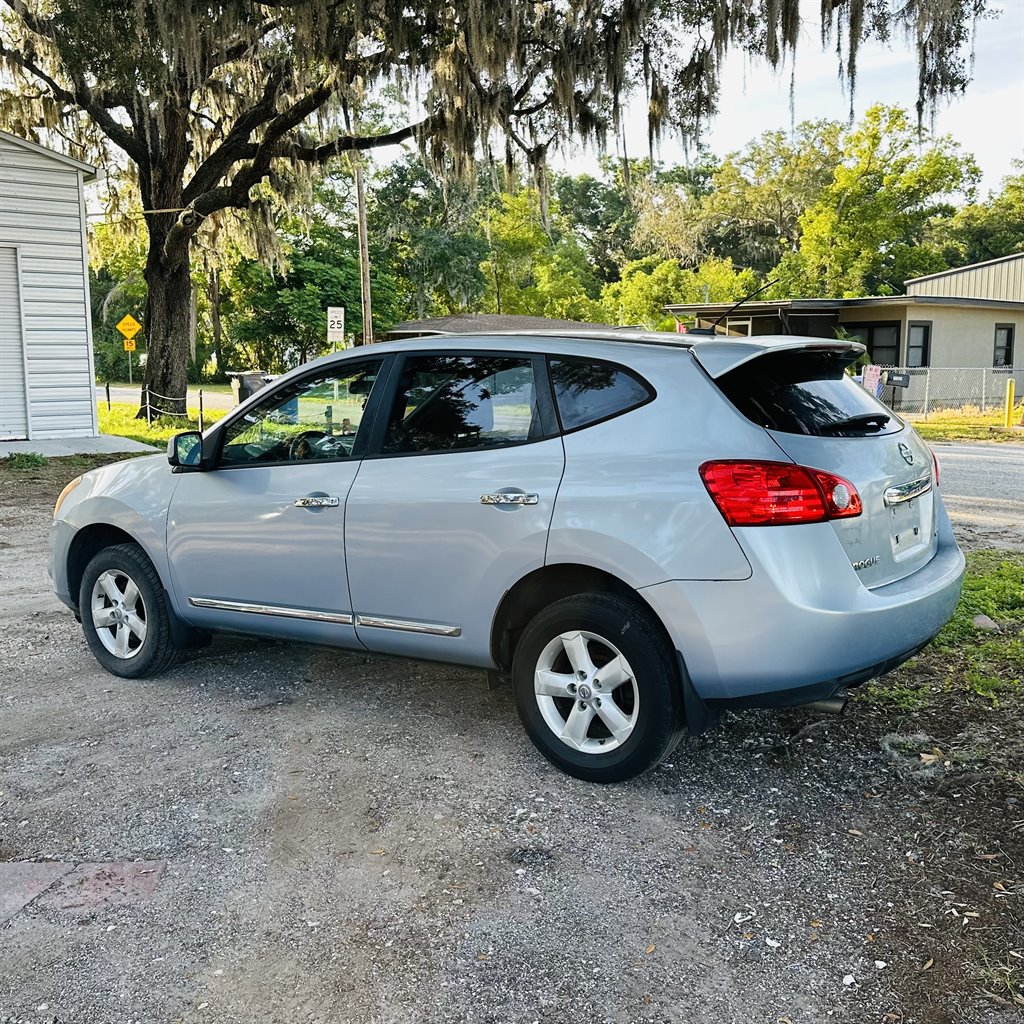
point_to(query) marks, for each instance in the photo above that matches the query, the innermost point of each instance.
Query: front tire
(124, 613)
(597, 687)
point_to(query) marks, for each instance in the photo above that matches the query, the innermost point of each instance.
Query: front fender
(133, 496)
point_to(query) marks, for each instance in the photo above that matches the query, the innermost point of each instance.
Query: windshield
(802, 392)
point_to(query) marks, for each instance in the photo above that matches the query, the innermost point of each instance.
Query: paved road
(983, 486)
(124, 393)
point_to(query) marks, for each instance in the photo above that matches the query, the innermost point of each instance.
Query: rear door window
(454, 402)
(802, 392)
(588, 392)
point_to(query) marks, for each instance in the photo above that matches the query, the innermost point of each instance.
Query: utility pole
(364, 252)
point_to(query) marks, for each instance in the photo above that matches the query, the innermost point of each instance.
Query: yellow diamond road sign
(129, 326)
(129, 344)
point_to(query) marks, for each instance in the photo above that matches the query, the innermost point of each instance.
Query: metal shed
(46, 365)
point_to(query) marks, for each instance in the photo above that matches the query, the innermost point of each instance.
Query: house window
(1003, 354)
(919, 342)
(882, 340)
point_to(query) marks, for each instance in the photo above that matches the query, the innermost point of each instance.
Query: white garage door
(13, 411)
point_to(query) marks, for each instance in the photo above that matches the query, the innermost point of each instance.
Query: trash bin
(246, 382)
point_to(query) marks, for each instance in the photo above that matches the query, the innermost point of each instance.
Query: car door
(256, 543)
(453, 503)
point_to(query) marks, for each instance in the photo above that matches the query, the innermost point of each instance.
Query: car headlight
(68, 488)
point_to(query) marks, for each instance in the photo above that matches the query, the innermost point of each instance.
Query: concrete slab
(23, 881)
(92, 886)
(105, 444)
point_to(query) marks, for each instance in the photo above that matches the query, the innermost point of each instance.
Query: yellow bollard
(1010, 384)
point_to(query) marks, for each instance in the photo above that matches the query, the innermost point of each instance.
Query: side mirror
(186, 449)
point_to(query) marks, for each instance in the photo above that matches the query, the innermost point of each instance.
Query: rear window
(588, 392)
(806, 393)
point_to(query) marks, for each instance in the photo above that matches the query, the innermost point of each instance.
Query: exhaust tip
(830, 705)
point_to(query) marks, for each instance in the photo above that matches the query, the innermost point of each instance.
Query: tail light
(778, 493)
(935, 463)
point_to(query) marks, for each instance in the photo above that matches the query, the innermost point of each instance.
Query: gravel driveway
(318, 836)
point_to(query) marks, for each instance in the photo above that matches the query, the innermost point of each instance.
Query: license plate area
(910, 526)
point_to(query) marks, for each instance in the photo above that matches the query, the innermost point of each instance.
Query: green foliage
(429, 239)
(986, 231)
(533, 271)
(26, 460)
(648, 285)
(750, 205)
(868, 230)
(603, 219)
(279, 317)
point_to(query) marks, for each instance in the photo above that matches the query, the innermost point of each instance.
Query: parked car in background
(639, 532)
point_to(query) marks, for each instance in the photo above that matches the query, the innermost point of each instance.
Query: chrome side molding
(341, 618)
(906, 492)
(408, 626)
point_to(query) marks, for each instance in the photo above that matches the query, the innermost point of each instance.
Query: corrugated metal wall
(41, 213)
(13, 411)
(1002, 279)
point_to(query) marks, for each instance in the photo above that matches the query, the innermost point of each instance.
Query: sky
(988, 120)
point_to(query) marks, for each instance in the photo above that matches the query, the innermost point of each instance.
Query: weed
(989, 686)
(897, 696)
(26, 460)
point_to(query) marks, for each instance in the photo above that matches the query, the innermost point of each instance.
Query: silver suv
(639, 532)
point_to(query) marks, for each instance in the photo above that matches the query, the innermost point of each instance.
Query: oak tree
(227, 105)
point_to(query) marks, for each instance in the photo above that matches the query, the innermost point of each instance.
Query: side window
(1003, 352)
(587, 392)
(315, 418)
(450, 402)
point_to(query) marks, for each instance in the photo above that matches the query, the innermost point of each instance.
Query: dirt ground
(280, 834)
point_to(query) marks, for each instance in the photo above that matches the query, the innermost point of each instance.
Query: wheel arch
(544, 586)
(87, 542)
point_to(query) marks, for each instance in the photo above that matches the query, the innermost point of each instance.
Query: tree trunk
(215, 324)
(167, 332)
(168, 280)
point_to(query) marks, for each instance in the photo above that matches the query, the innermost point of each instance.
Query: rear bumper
(803, 626)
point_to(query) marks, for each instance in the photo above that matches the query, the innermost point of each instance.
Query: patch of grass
(991, 687)
(967, 424)
(993, 586)
(121, 421)
(894, 696)
(26, 460)
(986, 664)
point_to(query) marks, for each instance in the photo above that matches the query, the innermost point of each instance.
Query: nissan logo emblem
(908, 455)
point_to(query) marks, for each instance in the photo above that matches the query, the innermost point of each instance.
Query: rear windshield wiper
(868, 419)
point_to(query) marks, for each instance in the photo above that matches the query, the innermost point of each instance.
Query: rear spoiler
(718, 357)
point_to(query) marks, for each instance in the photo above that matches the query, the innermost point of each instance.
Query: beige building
(971, 317)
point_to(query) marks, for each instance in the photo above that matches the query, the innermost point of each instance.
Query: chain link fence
(938, 388)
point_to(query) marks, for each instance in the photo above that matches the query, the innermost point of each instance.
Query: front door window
(313, 419)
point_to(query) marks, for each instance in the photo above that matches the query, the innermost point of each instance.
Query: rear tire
(599, 729)
(124, 613)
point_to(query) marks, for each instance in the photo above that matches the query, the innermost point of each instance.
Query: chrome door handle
(509, 498)
(317, 501)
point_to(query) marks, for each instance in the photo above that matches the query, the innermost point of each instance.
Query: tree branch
(357, 143)
(236, 145)
(82, 97)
